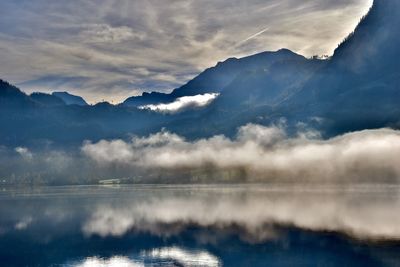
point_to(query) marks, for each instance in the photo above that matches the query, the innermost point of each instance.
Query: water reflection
(362, 212)
(239, 225)
(112, 262)
(183, 257)
(167, 256)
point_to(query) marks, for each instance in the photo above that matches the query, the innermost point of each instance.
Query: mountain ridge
(335, 96)
(213, 79)
(70, 99)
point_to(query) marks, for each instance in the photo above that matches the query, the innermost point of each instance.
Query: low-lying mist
(256, 154)
(261, 153)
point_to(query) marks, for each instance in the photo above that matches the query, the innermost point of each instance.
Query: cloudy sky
(111, 49)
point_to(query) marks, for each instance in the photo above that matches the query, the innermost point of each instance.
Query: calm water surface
(209, 225)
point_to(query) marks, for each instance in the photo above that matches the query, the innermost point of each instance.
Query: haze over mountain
(70, 99)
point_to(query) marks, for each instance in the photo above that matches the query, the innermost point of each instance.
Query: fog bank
(256, 154)
(262, 153)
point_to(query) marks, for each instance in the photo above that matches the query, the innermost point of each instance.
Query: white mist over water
(256, 154)
(264, 152)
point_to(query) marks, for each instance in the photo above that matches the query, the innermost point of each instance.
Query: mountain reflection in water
(208, 225)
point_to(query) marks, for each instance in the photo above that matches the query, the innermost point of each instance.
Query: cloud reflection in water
(112, 262)
(167, 256)
(237, 225)
(364, 212)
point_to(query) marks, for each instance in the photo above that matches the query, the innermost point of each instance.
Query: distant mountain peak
(70, 99)
(47, 99)
(215, 79)
(285, 51)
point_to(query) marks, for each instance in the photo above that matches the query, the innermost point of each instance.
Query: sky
(112, 49)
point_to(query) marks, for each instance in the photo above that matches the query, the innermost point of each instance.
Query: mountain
(263, 79)
(360, 87)
(212, 80)
(12, 97)
(362, 73)
(46, 99)
(148, 98)
(70, 99)
(357, 88)
(274, 77)
(217, 78)
(39, 120)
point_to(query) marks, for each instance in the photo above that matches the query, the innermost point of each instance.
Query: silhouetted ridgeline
(41, 119)
(70, 99)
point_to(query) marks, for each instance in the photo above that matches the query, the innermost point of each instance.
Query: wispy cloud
(122, 48)
(104, 33)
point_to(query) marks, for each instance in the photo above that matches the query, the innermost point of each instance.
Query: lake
(201, 225)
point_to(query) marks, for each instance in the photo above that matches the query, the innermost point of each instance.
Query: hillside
(70, 99)
(225, 74)
(358, 88)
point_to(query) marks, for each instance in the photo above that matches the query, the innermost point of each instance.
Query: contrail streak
(252, 36)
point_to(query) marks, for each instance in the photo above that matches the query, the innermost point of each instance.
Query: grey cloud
(104, 33)
(106, 41)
